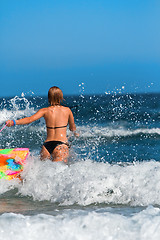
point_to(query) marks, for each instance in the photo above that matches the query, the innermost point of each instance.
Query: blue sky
(109, 46)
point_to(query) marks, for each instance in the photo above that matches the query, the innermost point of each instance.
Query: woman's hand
(9, 123)
(76, 134)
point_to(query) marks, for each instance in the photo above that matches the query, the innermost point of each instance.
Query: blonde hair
(55, 96)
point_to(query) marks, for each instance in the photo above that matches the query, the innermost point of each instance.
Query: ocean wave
(80, 224)
(88, 182)
(89, 132)
(110, 132)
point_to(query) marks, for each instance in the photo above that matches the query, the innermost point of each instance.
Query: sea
(110, 188)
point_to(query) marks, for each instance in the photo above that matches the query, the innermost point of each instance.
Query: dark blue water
(113, 128)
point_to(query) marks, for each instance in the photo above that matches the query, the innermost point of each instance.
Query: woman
(57, 118)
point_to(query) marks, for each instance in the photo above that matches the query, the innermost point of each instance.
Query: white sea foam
(88, 182)
(115, 132)
(6, 185)
(15, 112)
(82, 225)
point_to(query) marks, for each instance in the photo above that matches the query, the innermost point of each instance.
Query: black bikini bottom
(51, 145)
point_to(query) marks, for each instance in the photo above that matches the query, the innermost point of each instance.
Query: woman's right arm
(40, 113)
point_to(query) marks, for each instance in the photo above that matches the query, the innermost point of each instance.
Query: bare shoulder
(67, 109)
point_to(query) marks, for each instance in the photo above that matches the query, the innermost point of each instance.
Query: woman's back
(57, 118)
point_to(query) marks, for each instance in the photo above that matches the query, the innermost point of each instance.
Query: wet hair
(55, 96)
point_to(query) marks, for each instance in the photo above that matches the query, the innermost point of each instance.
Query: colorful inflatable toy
(12, 162)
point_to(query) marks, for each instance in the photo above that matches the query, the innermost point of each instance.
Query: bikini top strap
(56, 127)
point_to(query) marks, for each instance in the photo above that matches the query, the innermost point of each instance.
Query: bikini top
(57, 127)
